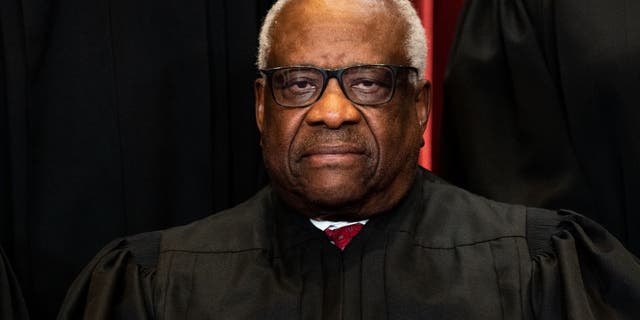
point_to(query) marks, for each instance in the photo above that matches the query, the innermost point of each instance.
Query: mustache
(323, 140)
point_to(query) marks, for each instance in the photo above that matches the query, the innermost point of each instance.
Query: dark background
(119, 117)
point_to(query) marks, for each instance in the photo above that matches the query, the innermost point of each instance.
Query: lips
(328, 150)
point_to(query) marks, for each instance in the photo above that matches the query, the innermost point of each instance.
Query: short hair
(415, 41)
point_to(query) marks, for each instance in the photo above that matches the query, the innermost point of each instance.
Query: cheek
(398, 136)
(279, 130)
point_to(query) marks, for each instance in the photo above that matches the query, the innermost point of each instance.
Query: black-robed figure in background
(541, 107)
(341, 111)
(11, 302)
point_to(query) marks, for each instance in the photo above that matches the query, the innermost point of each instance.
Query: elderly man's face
(334, 159)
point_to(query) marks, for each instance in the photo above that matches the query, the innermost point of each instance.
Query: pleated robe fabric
(442, 253)
(12, 304)
(541, 107)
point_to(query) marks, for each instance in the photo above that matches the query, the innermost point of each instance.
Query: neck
(374, 204)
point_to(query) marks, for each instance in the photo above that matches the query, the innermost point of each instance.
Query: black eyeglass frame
(337, 74)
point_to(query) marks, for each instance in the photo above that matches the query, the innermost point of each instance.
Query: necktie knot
(343, 235)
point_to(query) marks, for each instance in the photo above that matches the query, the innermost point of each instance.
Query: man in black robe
(341, 109)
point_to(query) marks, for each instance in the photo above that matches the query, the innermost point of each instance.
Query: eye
(367, 85)
(364, 84)
(300, 84)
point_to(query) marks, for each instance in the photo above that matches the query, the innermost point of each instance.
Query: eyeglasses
(369, 85)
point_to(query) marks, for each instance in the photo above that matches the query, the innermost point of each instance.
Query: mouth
(342, 149)
(321, 155)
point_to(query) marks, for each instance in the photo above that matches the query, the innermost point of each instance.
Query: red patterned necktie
(341, 236)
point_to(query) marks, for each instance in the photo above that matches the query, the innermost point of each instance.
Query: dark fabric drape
(541, 107)
(12, 305)
(119, 117)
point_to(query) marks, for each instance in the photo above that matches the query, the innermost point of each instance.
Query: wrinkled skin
(335, 160)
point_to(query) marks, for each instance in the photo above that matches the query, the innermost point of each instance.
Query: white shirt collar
(331, 225)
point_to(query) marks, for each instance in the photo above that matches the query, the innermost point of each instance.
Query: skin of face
(335, 160)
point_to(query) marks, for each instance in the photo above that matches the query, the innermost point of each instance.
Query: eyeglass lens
(366, 85)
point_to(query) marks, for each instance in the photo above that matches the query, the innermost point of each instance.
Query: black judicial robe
(541, 107)
(12, 304)
(442, 253)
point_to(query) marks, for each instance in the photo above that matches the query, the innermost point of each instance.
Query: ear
(259, 101)
(423, 103)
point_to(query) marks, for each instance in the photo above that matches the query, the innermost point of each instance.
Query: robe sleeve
(117, 283)
(580, 271)
(12, 304)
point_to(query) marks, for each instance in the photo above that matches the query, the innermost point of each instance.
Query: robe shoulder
(118, 283)
(579, 269)
(12, 305)
(448, 216)
(243, 227)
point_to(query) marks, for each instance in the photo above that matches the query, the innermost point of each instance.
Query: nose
(333, 109)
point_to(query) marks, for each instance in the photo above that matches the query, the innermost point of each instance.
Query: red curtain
(439, 19)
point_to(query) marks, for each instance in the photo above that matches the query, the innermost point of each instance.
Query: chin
(334, 199)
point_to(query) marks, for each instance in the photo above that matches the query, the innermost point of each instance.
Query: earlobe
(259, 102)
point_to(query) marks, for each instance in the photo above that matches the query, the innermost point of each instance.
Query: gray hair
(415, 41)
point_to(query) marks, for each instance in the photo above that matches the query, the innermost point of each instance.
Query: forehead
(332, 34)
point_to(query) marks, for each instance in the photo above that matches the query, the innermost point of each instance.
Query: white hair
(415, 41)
